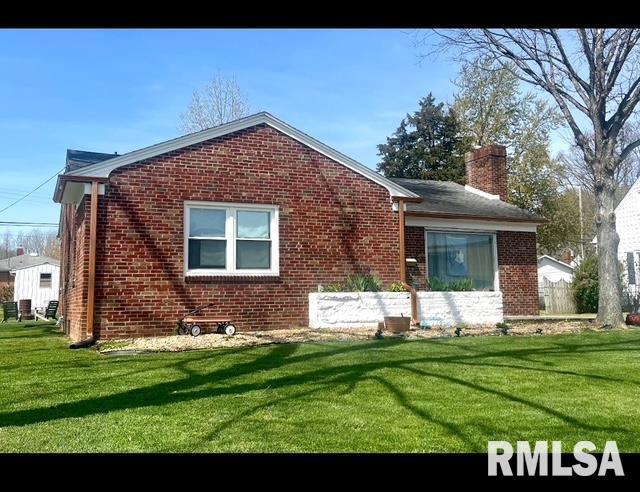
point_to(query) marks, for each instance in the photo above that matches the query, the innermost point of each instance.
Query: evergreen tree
(427, 145)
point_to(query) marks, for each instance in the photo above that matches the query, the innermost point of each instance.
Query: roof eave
(104, 168)
(443, 215)
(64, 179)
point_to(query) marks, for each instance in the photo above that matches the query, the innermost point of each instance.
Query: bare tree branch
(220, 101)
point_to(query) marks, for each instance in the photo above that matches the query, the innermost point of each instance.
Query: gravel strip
(179, 343)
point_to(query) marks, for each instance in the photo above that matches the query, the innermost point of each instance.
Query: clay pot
(633, 319)
(397, 324)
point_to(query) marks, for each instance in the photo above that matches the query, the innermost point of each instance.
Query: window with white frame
(45, 280)
(231, 239)
(461, 259)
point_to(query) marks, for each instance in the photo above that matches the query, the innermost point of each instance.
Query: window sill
(233, 279)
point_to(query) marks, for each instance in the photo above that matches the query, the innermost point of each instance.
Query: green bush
(585, 285)
(366, 281)
(503, 328)
(397, 287)
(334, 287)
(465, 284)
(363, 282)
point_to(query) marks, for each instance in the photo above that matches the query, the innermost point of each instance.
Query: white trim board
(469, 224)
(561, 263)
(104, 168)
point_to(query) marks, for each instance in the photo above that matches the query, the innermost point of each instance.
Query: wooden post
(403, 260)
(93, 225)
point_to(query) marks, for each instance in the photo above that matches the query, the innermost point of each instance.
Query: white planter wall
(366, 309)
(452, 308)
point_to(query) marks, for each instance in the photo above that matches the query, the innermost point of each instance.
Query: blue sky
(119, 90)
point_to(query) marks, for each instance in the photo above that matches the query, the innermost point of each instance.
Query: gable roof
(25, 261)
(449, 198)
(103, 168)
(560, 263)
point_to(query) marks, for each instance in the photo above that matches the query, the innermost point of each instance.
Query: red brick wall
(518, 270)
(74, 269)
(414, 248)
(486, 169)
(333, 222)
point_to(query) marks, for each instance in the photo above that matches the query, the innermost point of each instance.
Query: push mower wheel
(182, 330)
(230, 330)
(195, 330)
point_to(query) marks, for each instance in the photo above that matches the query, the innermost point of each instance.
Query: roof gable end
(104, 168)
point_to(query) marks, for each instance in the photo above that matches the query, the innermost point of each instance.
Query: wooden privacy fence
(558, 298)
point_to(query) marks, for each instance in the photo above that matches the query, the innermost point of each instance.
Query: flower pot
(397, 324)
(633, 319)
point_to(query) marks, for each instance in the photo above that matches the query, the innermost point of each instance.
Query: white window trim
(230, 234)
(494, 242)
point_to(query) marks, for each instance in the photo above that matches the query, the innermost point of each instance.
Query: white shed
(38, 281)
(553, 270)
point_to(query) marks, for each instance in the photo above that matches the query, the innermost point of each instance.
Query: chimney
(486, 169)
(19, 251)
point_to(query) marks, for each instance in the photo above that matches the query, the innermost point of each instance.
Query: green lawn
(384, 395)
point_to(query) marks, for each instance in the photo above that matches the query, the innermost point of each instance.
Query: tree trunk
(609, 304)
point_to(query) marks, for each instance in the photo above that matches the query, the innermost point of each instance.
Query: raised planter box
(367, 309)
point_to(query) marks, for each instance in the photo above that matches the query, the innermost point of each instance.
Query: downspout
(403, 264)
(91, 281)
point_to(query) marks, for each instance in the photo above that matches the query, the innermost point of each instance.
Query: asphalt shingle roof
(81, 158)
(446, 197)
(22, 261)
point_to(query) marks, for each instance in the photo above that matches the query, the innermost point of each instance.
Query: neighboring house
(33, 277)
(628, 228)
(553, 270)
(254, 215)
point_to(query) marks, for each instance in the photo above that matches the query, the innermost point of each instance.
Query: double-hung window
(231, 239)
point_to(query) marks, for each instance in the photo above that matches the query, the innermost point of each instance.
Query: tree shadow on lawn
(218, 382)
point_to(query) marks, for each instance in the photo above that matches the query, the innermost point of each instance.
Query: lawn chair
(49, 312)
(10, 310)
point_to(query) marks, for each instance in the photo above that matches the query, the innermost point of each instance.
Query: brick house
(254, 215)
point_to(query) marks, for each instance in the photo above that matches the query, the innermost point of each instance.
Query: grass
(448, 395)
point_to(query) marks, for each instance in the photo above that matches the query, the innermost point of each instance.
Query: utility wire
(43, 224)
(32, 191)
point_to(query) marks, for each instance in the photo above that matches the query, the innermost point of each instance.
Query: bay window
(231, 239)
(463, 258)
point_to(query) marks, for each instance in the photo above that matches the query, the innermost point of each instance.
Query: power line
(35, 224)
(32, 191)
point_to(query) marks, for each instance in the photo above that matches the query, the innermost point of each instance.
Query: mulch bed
(179, 343)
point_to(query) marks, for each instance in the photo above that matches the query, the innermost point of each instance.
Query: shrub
(363, 282)
(397, 287)
(6, 293)
(465, 284)
(585, 285)
(334, 287)
(503, 328)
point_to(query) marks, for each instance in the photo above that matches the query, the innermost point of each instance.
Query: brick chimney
(486, 169)
(19, 251)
